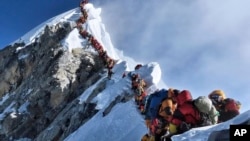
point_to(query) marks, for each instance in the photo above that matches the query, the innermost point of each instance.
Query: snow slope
(124, 122)
(202, 134)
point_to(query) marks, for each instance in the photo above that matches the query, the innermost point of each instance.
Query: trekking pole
(167, 134)
(149, 133)
(163, 138)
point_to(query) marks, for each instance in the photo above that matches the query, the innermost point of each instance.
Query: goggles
(167, 110)
(216, 98)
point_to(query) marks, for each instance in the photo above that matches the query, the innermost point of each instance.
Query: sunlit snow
(124, 122)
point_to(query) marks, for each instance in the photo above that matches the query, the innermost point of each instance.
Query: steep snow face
(124, 121)
(94, 26)
(113, 124)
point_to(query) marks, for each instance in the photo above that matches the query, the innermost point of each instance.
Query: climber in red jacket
(227, 107)
(84, 33)
(186, 116)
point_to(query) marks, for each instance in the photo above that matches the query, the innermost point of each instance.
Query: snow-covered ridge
(30, 36)
(114, 88)
(117, 86)
(124, 122)
(93, 25)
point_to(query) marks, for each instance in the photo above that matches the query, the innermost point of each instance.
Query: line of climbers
(138, 85)
(108, 61)
(168, 112)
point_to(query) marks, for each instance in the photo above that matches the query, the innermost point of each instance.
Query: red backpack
(183, 96)
(231, 105)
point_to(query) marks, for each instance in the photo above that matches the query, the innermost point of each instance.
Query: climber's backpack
(155, 101)
(203, 104)
(231, 105)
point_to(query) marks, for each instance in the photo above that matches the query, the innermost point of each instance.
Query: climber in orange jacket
(167, 109)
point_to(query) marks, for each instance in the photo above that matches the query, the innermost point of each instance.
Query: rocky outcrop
(40, 85)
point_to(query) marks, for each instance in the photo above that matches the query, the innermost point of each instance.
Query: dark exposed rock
(42, 82)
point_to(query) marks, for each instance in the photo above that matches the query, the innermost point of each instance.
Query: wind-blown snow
(124, 122)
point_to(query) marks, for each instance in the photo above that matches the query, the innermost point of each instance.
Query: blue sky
(19, 17)
(200, 45)
(114, 125)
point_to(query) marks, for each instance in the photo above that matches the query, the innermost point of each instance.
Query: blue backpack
(154, 102)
